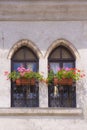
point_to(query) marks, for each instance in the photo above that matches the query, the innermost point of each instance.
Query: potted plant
(65, 76)
(50, 77)
(24, 76)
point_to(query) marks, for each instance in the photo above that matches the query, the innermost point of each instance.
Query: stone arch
(26, 43)
(65, 43)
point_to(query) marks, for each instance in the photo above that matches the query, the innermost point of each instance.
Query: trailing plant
(23, 73)
(68, 73)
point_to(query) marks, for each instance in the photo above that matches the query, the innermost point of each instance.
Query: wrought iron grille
(62, 96)
(25, 95)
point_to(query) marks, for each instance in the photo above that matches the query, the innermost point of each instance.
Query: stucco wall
(46, 123)
(43, 34)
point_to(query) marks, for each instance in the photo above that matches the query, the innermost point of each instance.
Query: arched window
(24, 96)
(61, 57)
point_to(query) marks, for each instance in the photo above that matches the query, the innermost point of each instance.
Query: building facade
(42, 26)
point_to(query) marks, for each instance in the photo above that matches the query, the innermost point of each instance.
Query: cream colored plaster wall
(45, 123)
(43, 34)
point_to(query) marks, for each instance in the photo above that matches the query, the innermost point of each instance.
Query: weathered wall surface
(28, 123)
(43, 24)
(43, 34)
(38, 10)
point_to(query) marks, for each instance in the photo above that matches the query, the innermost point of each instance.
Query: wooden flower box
(65, 81)
(24, 81)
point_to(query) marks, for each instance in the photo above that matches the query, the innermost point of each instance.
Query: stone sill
(75, 112)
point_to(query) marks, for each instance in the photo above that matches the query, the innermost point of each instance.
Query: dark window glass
(65, 96)
(25, 95)
(55, 54)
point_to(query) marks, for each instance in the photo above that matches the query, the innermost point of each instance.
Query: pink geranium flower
(28, 70)
(6, 73)
(58, 69)
(67, 69)
(23, 73)
(21, 69)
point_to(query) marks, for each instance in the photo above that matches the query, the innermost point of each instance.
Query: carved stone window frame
(59, 112)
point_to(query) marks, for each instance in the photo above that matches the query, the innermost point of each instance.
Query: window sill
(75, 112)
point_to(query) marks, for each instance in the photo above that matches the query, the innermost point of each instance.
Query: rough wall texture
(43, 35)
(46, 123)
(38, 10)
